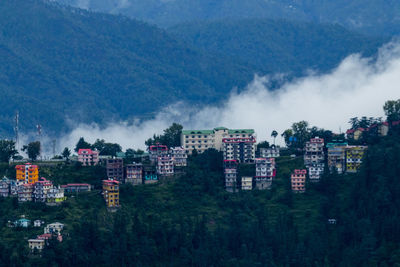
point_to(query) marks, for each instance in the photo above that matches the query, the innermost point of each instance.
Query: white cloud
(357, 87)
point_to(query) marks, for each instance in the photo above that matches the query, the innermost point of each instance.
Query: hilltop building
(111, 193)
(88, 157)
(241, 149)
(179, 155)
(201, 140)
(134, 174)
(337, 156)
(165, 166)
(230, 171)
(115, 169)
(271, 152)
(265, 172)
(354, 157)
(27, 174)
(247, 183)
(298, 181)
(157, 151)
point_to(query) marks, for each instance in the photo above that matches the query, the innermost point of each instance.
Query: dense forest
(191, 220)
(368, 16)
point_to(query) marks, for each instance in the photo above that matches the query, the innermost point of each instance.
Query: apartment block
(314, 151)
(55, 196)
(265, 172)
(354, 157)
(337, 156)
(111, 193)
(27, 173)
(242, 149)
(271, 152)
(157, 151)
(40, 190)
(25, 192)
(315, 171)
(76, 188)
(298, 181)
(165, 166)
(88, 157)
(149, 174)
(115, 169)
(247, 183)
(54, 228)
(4, 187)
(179, 155)
(230, 172)
(36, 244)
(201, 140)
(134, 173)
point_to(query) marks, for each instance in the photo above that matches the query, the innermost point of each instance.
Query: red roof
(44, 236)
(110, 182)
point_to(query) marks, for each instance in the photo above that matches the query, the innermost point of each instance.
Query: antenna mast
(16, 129)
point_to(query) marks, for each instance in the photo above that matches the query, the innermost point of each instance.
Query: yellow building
(27, 174)
(111, 193)
(354, 157)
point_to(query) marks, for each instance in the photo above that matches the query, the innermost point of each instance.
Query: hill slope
(277, 46)
(369, 16)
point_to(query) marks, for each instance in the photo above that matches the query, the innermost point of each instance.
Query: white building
(314, 151)
(247, 183)
(179, 155)
(230, 172)
(315, 171)
(165, 166)
(56, 228)
(271, 152)
(242, 149)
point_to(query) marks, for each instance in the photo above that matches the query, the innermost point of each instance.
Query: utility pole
(39, 133)
(54, 147)
(16, 130)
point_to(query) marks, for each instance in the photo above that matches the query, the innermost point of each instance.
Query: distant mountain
(278, 46)
(368, 16)
(59, 63)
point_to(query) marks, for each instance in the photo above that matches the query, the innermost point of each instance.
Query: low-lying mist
(357, 87)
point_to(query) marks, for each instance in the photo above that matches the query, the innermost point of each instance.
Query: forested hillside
(368, 16)
(278, 46)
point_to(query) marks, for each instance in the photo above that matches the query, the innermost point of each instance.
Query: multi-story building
(40, 189)
(315, 171)
(201, 140)
(337, 156)
(230, 171)
(157, 151)
(314, 153)
(149, 174)
(134, 174)
(54, 228)
(27, 173)
(5, 187)
(241, 149)
(179, 155)
(88, 157)
(298, 181)
(55, 195)
(165, 166)
(354, 157)
(115, 169)
(14, 187)
(25, 192)
(111, 193)
(36, 244)
(76, 188)
(271, 152)
(265, 172)
(247, 183)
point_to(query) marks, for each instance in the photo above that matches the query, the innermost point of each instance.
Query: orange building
(27, 174)
(111, 193)
(298, 181)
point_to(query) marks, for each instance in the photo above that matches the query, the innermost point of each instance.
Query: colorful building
(55, 195)
(314, 151)
(150, 174)
(298, 181)
(247, 183)
(111, 193)
(157, 151)
(242, 149)
(165, 166)
(27, 174)
(230, 172)
(265, 172)
(354, 157)
(76, 188)
(201, 140)
(134, 174)
(88, 157)
(179, 155)
(337, 156)
(115, 169)
(40, 189)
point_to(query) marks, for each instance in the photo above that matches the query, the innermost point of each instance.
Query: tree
(66, 153)
(33, 150)
(7, 150)
(106, 148)
(274, 134)
(170, 138)
(287, 134)
(82, 144)
(392, 110)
